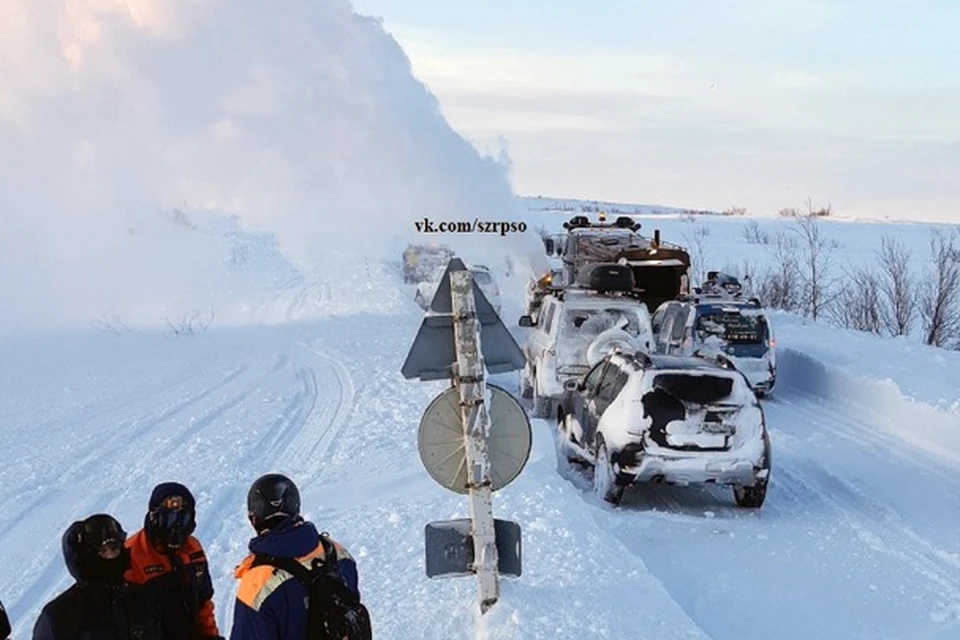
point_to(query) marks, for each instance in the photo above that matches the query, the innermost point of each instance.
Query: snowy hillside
(204, 207)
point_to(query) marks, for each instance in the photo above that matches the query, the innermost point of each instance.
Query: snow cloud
(301, 119)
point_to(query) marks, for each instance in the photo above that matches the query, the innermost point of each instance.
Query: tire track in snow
(306, 453)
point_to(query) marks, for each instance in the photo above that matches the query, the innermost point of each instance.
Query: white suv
(574, 330)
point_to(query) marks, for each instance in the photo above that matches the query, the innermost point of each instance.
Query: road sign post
(473, 438)
(471, 384)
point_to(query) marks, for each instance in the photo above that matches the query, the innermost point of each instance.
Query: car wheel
(564, 433)
(526, 389)
(751, 497)
(542, 406)
(605, 485)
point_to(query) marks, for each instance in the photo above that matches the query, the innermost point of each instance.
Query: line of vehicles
(646, 378)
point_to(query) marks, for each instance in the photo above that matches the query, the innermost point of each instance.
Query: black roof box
(608, 277)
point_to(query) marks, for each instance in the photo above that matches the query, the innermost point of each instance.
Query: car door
(541, 336)
(599, 398)
(584, 403)
(614, 379)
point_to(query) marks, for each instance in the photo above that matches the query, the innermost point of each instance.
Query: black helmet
(94, 550)
(171, 516)
(272, 496)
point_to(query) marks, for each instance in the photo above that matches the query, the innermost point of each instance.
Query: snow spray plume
(301, 119)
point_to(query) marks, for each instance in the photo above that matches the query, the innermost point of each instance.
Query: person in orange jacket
(169, 561)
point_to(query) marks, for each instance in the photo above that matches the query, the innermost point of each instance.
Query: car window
(733, 327)
(551, 313)
(679, 324)
(612, 383)
(593, 378)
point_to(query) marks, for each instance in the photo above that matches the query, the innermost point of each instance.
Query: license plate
(717, 428)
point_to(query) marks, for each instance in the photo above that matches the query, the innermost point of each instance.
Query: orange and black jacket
(180, 581)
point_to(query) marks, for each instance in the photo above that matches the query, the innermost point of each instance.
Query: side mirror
(526, 321)
(571, 385)
(550, 246)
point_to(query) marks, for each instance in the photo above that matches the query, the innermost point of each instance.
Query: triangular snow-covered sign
(433, 352)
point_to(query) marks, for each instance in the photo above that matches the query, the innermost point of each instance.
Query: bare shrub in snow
(858, 302)
(735, 211)
(817, 212)
(753, 234)
(790, 213)
(815, 264)
(779, 286)
(697, 244)
(940, 292)
(111, 323)
(898, 295)
(189, 324)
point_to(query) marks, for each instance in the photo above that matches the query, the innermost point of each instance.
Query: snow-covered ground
(258, 172)
(858, 538)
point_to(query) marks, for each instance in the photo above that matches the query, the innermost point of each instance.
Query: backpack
(334, 612)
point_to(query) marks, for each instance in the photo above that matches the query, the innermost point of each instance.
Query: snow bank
(305, 122)
(908, 390)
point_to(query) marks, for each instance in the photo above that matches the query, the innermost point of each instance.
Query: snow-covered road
(857, 539)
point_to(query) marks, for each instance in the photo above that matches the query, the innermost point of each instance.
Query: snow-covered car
(575, 329)
(481, 275)
(421, 260)
(682, 420)
(710, 324)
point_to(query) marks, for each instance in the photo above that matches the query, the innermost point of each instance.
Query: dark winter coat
(4, 623)
(89, 611)
(271, 604)
(181, 584)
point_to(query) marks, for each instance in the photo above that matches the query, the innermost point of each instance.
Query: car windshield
(733, 327)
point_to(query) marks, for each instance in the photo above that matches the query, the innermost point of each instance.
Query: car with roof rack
(576, 326)
(640, 418)
(660, 269)
(717, 319)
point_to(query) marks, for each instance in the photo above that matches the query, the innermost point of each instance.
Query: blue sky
(753, 103)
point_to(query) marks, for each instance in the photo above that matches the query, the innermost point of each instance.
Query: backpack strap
(290, 565)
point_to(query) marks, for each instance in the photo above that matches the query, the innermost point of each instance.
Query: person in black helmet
(271, 604)
(100, 605)
(4, 623)
(170, 561)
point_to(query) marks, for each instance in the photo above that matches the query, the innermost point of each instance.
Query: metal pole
(476, 422)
